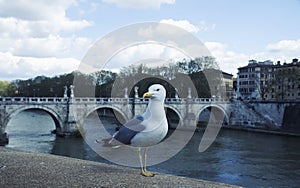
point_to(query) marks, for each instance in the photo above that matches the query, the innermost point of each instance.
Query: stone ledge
(24, 169)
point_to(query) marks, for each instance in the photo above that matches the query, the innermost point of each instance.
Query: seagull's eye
(157, 89)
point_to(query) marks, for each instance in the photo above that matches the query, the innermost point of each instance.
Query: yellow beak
(147, 95)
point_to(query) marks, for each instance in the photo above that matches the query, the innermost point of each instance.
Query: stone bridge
(69, 113)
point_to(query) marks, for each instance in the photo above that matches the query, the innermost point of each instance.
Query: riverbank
(259, 130)
(24, 169)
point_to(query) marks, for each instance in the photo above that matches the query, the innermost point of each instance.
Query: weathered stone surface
(22, 169)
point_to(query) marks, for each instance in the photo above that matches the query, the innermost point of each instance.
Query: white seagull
(147, 129)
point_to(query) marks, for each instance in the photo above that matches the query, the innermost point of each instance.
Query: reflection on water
(31, 131)
(241, 158)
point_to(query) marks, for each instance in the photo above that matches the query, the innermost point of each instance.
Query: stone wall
(291, 118)
(271, 111)
(241, 114)
(281, 114)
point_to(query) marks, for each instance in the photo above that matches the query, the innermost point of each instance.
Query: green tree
(7, 89)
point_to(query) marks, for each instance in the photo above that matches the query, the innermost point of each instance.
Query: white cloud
(38, 38)
(203, 26)
(34, 10)
(227, 60)
(30, 57)
(155, 52)
(184, 24)
(162, 31)
(51, 46)
(285, 46)
(141, 4)
(28, 21)
(284, 51)
(17, 67)
(17, 28)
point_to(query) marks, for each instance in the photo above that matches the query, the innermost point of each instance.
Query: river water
(236, 157)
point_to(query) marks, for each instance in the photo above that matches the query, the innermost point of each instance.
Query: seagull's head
(156, 92)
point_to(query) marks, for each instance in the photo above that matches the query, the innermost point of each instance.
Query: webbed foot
(147, 173)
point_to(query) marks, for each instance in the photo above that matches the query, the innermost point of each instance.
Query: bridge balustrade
(100, 100)
(209, 100)
(105, 100)
(32, 99)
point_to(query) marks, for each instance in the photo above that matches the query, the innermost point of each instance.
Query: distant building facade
(268, 81)
(227, 84)
(287, 83)
(221, 83)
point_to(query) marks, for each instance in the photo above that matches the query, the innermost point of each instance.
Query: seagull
(147, 129)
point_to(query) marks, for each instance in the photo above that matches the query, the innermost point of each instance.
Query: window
(243, 90)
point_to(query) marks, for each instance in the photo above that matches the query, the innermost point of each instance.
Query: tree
(180, 75)
(103, 77)
(7, 89)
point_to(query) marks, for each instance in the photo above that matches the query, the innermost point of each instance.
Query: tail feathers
(109, 142)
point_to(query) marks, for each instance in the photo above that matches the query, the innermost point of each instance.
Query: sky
(52, 37)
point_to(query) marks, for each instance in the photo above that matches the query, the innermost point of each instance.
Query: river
(236, 157)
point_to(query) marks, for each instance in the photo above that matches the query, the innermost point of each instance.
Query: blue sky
(51, 37)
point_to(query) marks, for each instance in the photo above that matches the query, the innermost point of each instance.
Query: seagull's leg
(144, 170)
(141, 161)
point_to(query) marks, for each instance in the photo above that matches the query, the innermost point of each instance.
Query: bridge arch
(122, 118)
(218, 107)
(175, 110)
(55, 117)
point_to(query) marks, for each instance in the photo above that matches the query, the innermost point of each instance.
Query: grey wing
(129, 130)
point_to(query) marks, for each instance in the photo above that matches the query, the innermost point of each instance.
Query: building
(268, 81)
(221, 83)
(286, 85)
(227, 84)
(252, 79)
